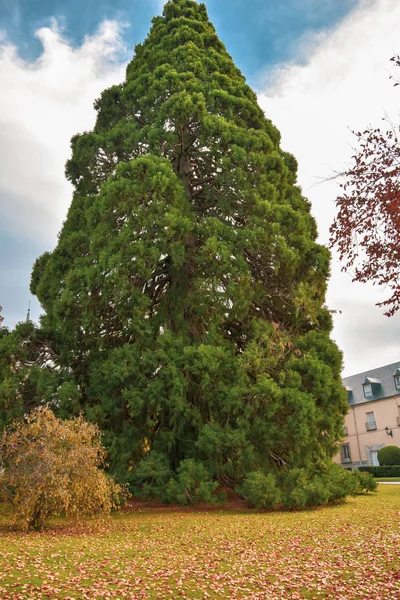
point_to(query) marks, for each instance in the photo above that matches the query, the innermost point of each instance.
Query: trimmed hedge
(389, 456)
(393, 471)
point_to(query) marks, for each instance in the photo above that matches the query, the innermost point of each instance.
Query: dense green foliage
(192, 482)
(365, 482)
(297, 489)
(392, 471)
(29, 375)
(185, 297)
(389, 456)
(260, 490)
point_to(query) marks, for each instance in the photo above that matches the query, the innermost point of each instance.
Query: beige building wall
(366, 433)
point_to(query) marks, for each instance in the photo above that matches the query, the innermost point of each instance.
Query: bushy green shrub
(365, 482)
(260, 490)
(299, 489)
(152, 475)
(295, 486)
(389, 456)
(191, 484)
(339, 482)
(318, 491)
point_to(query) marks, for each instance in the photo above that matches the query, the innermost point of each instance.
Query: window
(372, 387)
(346, 453)
(368, 393)
(349, 395)
(371, 423)
(397, 382)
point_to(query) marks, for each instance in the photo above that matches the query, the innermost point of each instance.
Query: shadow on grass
(57, 526)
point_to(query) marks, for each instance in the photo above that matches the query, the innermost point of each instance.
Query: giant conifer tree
(186, 293)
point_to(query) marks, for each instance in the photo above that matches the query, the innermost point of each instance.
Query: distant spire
(28, 314)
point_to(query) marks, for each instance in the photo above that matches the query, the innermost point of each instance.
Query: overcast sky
(320, 68)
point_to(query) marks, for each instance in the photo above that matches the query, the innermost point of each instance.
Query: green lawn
(387, 479)
(346, 552)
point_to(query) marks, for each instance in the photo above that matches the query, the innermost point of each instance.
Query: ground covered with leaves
(347, 552)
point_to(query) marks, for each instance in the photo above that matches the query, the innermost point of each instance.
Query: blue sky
(319, 67)
(258, 33)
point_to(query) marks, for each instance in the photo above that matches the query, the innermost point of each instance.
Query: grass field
(350, 551)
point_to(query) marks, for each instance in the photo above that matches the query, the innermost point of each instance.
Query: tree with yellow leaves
(52, 466)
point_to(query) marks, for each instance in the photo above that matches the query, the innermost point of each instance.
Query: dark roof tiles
(382, 377)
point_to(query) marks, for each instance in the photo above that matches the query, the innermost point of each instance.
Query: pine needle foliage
(187, 290)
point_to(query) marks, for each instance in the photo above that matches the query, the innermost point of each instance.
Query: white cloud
(42, 105)
(343, 84)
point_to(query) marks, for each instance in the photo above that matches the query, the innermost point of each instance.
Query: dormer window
(368, 393)
(396, 377)
(371, 387)
(349, 394)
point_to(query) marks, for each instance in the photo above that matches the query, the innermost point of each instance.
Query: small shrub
(339, 482)
(52, 467)
(192, 484)
(152, 475)
(300, 489)
(260, 490)
(389, 456)
(365, 482)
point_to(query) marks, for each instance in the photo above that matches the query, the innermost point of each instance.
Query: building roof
(382, 380)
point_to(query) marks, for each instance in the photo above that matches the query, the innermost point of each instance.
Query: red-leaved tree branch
(366, 231)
